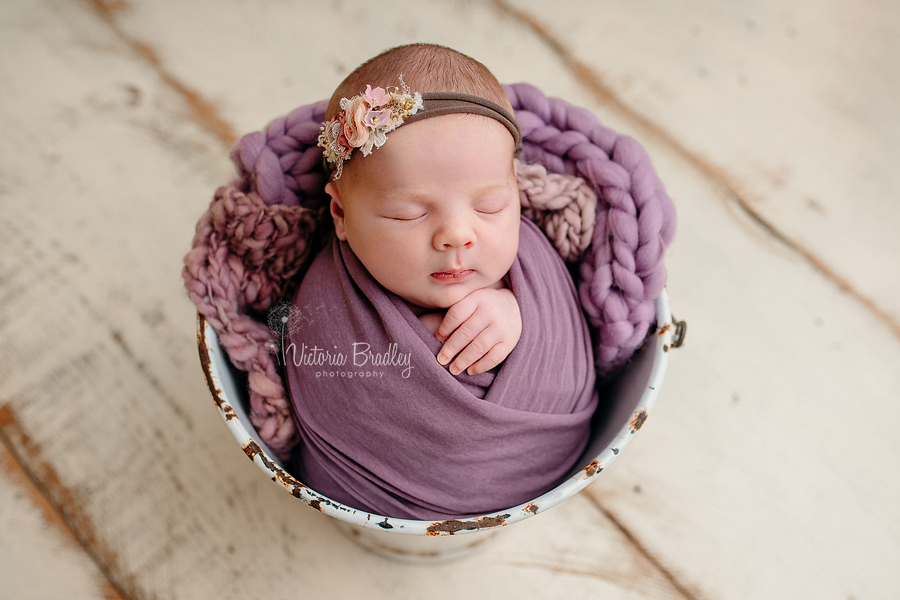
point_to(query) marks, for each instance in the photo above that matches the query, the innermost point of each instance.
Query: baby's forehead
(462, 152)
(478, 131)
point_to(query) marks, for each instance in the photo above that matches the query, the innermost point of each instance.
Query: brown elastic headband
(436, 104)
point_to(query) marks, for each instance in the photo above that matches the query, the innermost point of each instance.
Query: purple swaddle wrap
(406, 439)
(259, 231)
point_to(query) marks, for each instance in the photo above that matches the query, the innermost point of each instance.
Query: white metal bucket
(627, 402)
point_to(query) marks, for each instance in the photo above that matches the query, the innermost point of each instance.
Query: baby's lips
(447, 271)
(452, 275)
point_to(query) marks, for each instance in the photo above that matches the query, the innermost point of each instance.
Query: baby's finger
(475, 351)
(455, 316)
(461, 338)
(494, 357)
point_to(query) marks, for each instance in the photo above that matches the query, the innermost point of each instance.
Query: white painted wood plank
(768, 468)
(288, 54)
(100, 387)
(794, 105)
(763, 324)
(774, 480)
(41, 558)
(714, 474)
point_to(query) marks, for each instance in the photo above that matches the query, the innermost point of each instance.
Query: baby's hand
(483, 328)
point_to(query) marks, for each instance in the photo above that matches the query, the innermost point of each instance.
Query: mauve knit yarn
(258, 231)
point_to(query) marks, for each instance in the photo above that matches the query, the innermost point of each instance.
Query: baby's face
(434, 213)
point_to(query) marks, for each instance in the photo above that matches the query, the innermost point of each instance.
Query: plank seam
(603, 94)
(203, 112)
(9, 423)
(643, 550)
(613, 578)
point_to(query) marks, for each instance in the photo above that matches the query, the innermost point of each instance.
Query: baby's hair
(425, 68)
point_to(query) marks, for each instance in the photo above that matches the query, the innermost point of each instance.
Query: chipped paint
(592, 468)
(638, 420)
(532, 508)
(279, 475)
(252, 449)
(451, 526)
(229, 412)
(203, 348)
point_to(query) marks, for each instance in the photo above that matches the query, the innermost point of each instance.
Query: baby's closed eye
(492, 206)
(410, 214)
(407, 218)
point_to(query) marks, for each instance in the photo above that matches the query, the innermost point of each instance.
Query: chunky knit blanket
(262, 230)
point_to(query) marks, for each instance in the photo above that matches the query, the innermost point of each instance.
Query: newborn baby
(442, 367)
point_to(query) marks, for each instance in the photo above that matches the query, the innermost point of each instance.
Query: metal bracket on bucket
(680, 330)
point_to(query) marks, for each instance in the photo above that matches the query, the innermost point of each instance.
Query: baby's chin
(444, 301)
(420, 305)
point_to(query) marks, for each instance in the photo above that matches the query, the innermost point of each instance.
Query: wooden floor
(769, 467)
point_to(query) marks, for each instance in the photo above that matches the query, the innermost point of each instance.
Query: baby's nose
(455, 234)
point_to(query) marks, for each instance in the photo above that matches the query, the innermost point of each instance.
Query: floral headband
(365, 120)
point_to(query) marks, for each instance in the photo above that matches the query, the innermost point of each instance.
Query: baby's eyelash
(410, 219)
(492, 212)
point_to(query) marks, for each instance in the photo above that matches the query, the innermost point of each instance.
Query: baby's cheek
(512, 245)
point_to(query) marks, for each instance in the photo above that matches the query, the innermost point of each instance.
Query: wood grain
(102, 394)
(767, 468)
(786, 108)
(35, 541)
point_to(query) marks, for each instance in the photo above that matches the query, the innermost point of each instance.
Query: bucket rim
(212, 355)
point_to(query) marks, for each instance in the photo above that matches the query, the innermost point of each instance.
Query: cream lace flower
(364, 122)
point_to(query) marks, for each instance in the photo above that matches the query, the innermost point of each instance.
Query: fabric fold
(386, 429)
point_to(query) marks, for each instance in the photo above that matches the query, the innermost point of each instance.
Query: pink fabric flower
(361, 125)
(355, 129)
(378, 118)
(334, 134)
(377, 97)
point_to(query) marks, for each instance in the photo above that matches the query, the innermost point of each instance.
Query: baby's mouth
(452, 276)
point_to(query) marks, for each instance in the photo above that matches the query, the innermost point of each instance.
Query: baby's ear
(337, 210)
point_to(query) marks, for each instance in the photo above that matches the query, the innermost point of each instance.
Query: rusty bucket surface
(626, 402)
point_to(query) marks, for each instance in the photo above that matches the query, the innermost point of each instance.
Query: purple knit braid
(283, 164)
(256, 237)
(622, 272)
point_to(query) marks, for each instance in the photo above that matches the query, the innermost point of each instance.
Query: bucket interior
(624, 405)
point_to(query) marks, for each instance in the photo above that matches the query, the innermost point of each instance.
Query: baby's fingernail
(454, 370)
(440, 338)
(443, 358)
